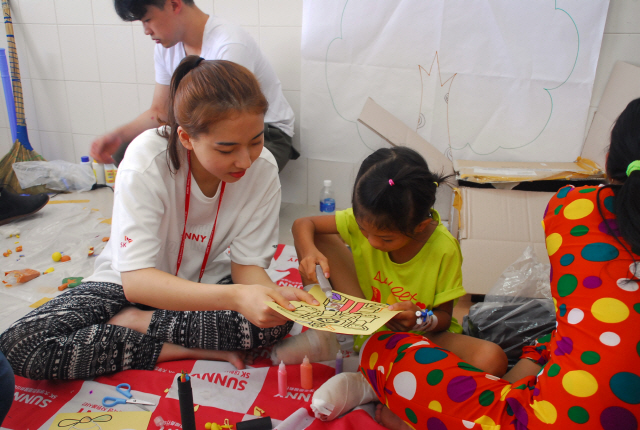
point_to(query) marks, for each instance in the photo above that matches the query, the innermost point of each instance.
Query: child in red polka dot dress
(585, 374)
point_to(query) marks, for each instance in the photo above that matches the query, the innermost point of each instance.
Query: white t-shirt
(224, 41)
(148, 217)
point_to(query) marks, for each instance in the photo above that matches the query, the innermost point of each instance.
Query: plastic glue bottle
(110, 172)
(282, 380)
(306, 374)
(339, 362)
(98, 170)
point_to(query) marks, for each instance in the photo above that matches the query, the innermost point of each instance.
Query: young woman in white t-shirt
(185, 193)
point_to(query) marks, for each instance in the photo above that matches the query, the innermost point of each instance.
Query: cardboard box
(496, 225)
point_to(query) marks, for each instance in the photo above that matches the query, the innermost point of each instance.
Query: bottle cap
(339, 355)
(282, 365)
(327, 182)
(305, 360)
(84, 159)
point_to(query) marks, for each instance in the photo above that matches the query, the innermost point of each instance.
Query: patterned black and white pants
(69, 338)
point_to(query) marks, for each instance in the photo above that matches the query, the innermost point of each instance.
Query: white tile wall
(74, 12)
(116, 60)
(75, 39)
(85, 71)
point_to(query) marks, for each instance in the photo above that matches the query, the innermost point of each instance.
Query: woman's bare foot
(133, 318)
(171, 352)
(385, 417)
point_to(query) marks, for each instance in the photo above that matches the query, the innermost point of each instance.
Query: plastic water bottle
(327, 199)
(85, 162)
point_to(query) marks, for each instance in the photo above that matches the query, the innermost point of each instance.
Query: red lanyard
(186, 216)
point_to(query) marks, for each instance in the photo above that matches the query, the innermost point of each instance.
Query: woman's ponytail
(189, 63)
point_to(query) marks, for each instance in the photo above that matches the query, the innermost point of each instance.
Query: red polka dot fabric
(591, 373)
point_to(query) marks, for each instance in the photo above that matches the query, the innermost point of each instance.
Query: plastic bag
(517, 310)
(56, 175)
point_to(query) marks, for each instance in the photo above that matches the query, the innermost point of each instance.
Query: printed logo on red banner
(35, 402)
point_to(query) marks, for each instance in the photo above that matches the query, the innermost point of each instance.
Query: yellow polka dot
(578, 209)
(580, 383)
(542, 222)
(373, 360)
(485, 421)
(389, 370)
(545, 411)
(554, 240)
(555, 303)
(504, 392)
(435, 406)
(609, 310)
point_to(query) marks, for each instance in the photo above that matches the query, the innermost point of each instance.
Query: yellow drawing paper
(102, 421)
(341, 313)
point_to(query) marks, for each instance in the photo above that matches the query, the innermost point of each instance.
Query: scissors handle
(109, 402)
(124, 389)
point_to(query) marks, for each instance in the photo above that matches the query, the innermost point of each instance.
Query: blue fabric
(7, 386)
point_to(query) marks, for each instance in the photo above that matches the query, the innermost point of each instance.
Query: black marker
(185, 396)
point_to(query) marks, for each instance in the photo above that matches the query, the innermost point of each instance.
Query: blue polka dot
(609, 203)
(429, 355)
(599, 252)
(566, 259)
(563, 309)
(563, 192)
(626, 387)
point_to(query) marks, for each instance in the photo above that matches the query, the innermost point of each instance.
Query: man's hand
(103, 147)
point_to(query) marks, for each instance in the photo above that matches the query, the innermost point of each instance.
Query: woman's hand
(251, 302)
(406, 319)
(291, 293)
(307, 267)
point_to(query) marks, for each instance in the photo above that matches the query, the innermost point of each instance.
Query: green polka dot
(520, 387)
(466, 366)
(558, 209)
(579, 230)
(636, 307)
(586, 190)
(638, 348)
(590, 357)
(553, 370)
(486, 398)
(398, 358)
(567, 284)
(544, 339)
(578, 414)
(403, 347)
(386, 336)
(411, 415)
(434, 377)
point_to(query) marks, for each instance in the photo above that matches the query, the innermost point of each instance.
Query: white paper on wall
(479, 79)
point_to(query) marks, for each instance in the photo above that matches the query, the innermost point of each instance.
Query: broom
(21, 150)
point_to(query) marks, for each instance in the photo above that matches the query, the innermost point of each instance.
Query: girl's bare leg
(479, 353)
(343, 270)
(522, 369)
(138, 320)
(385, 417)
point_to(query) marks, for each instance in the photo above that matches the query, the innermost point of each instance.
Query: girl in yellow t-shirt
(401, 254)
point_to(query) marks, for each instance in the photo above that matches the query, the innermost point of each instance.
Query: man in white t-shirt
(180, 28)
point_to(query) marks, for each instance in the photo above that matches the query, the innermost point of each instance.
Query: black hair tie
(198, 61)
